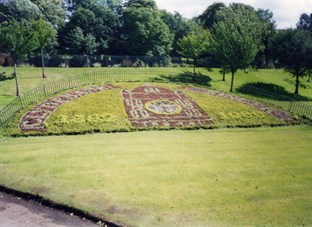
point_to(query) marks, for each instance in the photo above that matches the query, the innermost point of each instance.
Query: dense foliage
(96, 29)
(293, 50)
(194, 45)
(235, 39)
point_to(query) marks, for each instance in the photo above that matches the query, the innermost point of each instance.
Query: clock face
(164, 107)
(155, 106)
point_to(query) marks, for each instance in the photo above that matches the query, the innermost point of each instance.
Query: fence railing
(283, 102)
(46, 90)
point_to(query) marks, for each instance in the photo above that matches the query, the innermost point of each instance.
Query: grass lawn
(257, 177)
(269, 79)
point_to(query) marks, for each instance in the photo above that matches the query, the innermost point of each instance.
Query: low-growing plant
(101, 111)
(104, 111)
(228, 113)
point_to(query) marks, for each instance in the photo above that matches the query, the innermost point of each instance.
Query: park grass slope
(253, 177)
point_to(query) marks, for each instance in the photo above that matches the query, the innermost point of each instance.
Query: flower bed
(279, 114)
(146, 106)
(154, 106)
(34, 119)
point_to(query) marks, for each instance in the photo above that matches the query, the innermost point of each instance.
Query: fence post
(1, 122)
(20, 99)
(290, 105)
(69, 84)
(44, 90)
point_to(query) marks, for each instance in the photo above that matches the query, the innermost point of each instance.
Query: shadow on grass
(301, 85)
(186, 77)
(3, 76)
(271, 91)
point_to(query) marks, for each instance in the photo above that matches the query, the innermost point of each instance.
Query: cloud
(286, 12)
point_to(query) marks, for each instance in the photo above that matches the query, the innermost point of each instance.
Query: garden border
(48, 89)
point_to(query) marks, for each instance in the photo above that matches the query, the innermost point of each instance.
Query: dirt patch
(24, 209)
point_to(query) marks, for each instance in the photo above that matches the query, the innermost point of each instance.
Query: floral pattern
(152, 106)
(34, 119)
(147, 106)
(279, 114)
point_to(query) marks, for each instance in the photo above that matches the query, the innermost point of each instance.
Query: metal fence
(106, 61)
(283, 102)
(46, 90)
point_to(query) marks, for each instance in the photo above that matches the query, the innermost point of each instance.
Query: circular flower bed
(163, 107)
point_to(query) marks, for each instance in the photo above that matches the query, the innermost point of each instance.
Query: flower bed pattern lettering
(279, 114)
(34, 119)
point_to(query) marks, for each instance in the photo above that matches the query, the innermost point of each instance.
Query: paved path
(20, 213)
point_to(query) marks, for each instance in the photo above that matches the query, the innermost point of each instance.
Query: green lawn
(229, 177)
(30, 77)
(254, 177)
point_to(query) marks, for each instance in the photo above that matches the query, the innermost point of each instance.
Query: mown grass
(254, 177)
(268, 79)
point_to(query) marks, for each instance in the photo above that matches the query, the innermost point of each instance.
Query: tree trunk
(42, 64)
(232, 81)
(88, 61)
(16, 81)
(223, 72)
(194, 65)
(297, 84)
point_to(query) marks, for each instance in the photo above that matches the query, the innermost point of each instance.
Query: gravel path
(17, 212)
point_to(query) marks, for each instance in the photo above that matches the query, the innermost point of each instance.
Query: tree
(151, 4)
(90, 46)
(18, 10)
(268, 29)
(305, 22)
(209, 17)
(194, 45)
(179, 27)
(145, 32)
(51, 11)
(81, 44)
(233, 42)
(17, 39)
(45, 35)
(99, 20)
(292, 48)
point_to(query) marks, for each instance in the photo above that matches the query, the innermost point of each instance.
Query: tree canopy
(292, 48)
(138, 27)
(194, 45)
(145, 33)
(17, 39)
(305, 22)
(209, 17)
(235, 40)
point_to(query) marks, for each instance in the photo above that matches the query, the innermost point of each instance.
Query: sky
(286, 13)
